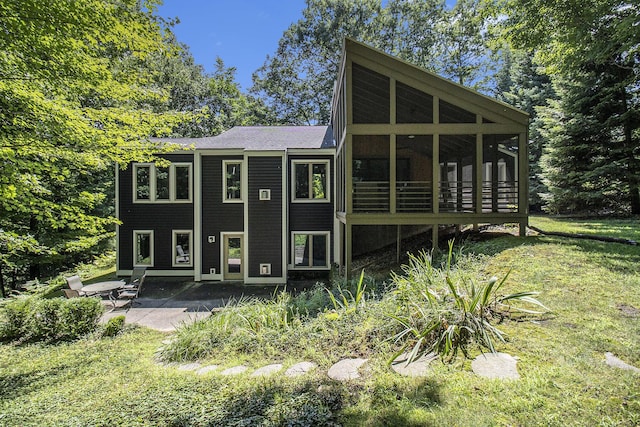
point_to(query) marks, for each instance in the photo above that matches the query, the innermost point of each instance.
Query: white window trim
(327, 234)
(153, 183)
(311, 162)
(224, 181)
(135, 248)
(174, 243)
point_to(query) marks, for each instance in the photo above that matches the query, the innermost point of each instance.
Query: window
(182, 242)
(310, 181)
(162, 184)
(311, 250)
(232, 181)
(143, 182)
(143, 248)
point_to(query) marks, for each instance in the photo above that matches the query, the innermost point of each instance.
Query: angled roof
(263, 138)
(431, 83)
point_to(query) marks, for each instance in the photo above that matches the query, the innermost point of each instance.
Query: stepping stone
(267, 370)
(206, 369)
(189, 367)
(496, 365)
(236, 370)
(417, 368)
(346, 369)
(613, 361)
(300, 369)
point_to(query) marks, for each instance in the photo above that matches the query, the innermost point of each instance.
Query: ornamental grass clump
(444, 310)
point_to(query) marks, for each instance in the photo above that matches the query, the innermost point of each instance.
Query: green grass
(564, 380)
(624, 228)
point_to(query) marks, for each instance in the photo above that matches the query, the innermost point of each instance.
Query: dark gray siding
(217, 216)
(265, 217)
(310, 216)
(162, 218)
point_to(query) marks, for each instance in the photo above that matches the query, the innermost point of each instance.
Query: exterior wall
(311, 216)
(265, 217)
(161, 217)
(217, 217)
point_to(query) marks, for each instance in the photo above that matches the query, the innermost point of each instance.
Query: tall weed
(444, 310)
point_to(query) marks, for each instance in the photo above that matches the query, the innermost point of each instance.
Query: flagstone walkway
(491, 365)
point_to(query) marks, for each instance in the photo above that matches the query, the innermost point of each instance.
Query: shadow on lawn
(314, 402)
(615, 257)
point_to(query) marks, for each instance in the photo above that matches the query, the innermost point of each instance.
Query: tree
(591, 47)
(410, 31)
(75, 99)
(465, 56)
(297, 82)
(211, 103)
(522, 84)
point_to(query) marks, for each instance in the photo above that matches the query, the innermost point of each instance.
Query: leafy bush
(14, 318)
(442, 310)
(56, 319)
(113, 327)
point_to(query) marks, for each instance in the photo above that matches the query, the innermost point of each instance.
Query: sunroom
(416, 151)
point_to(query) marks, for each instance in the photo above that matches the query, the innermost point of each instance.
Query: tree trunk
(633, 180)
(4, 295)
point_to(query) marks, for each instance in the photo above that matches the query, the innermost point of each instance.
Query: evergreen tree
(522, 84)
(591, 52)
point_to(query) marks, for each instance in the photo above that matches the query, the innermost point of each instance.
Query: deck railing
(500, 196)
(456, 196)
(371, 196)
(414, 196)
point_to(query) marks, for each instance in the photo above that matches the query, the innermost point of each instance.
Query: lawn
(592, 288)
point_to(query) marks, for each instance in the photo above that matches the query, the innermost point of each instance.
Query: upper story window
(232, 181)
(162, 184)
(310, 181)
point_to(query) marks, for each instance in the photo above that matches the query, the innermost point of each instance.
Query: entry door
(233, 260)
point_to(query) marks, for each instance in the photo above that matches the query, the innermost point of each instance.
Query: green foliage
(591, 53)
(526, 87)
(444, 311)
(565, 381)
(238, 325)
(33, 319)
(297, 81)
(114, 326)
(75, 99)
(347, 301)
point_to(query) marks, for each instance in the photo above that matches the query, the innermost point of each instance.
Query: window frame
(326, 234)
(153, 183)
(174, 244)
(311, 163)
(135, 248)
(225, 199)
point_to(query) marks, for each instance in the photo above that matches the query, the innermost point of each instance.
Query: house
(407, 151)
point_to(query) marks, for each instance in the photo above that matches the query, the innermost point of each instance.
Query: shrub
(14, 317)
(113, 327)
(56, 319)
(442, 310)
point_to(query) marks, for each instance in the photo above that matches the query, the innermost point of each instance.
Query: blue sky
(241, 32)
